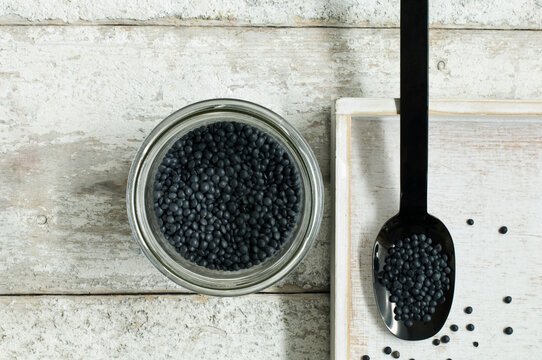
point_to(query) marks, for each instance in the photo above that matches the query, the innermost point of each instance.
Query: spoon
(413, 217)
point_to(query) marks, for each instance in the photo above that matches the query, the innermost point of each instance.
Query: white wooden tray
(485, 163)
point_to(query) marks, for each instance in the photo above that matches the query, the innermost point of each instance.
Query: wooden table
(84, 81)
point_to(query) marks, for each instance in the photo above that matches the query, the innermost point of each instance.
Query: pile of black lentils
(227, 196)
(416, 275)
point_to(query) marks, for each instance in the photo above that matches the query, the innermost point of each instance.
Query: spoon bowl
(399, 227)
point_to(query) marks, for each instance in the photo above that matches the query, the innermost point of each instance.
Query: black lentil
(475, 344)
(445, 339)
(416, 275)
(470, 327)
(454, 327)
(503, 229)
(396, 354)
(507, 299)
(387, 350)
(470, 222)
(365, 357)
(436, 342)
(508, 330)
(468, 310)
(227, 196)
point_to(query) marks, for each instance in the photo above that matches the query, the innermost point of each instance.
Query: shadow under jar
(141, 201)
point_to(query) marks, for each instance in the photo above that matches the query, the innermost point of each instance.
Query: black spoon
(413, 217)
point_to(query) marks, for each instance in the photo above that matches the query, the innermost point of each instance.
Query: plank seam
(317, 292)
(248, 26)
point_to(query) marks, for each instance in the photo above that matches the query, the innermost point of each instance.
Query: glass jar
(144, 224)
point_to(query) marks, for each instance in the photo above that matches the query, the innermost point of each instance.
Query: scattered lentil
(227, 196)
(396, 354)
(507, 299)
(475, 344)
(445, 339)
(436, 342)
(470, 327)
(503, 229)
(468, 310)
(508, 330)
(387, 350)
(470, 222)
(365, 357)
(454, 327)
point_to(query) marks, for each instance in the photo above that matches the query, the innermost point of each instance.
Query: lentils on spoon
(227, 196)
(416, 275)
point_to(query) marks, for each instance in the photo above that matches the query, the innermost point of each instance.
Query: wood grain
(517, 14)
(481, 167)
(77, 101)
(164, 327)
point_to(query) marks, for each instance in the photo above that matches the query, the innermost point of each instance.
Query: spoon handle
(414, 106)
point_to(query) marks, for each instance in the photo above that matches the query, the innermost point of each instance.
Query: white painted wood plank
(375, 106)
(519, 14)
(75, 103)
(486, 169)
(165, 327)
(340, 264)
